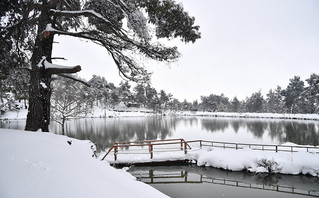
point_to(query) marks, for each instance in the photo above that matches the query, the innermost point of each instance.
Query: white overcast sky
(246, 46)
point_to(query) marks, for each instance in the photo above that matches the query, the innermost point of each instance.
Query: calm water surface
(192, 181)
(196, 182)
(105, 131)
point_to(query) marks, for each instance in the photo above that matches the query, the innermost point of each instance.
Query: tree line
(74, 98)
(297, 97)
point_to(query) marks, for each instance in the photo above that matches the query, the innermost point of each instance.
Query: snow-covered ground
(46, 165)
(96, 113)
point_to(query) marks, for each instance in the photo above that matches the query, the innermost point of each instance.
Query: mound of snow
(48, 165)
(259, 161)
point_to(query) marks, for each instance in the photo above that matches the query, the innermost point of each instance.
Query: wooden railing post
(185, 147)
(151, 149)
(115, 152)
(181, 144)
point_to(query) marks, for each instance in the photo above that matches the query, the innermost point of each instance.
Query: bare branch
(60, 58)
(75, 79)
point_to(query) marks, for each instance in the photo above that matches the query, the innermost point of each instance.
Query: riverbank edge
(102, 113)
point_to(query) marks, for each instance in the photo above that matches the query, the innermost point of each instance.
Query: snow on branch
(59, 69)
(81, 13)
(49, 28)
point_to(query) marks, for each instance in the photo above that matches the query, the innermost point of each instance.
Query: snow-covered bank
(49, 165)
(98, 112)
(15, 115)
(253, 115)
(258, 161)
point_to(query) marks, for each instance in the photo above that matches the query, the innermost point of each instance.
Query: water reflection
(105, 131)
(299, 132)
(185, 178)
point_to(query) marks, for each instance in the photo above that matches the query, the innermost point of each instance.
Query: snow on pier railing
(148, 147)
(177, 149)
(261, 147)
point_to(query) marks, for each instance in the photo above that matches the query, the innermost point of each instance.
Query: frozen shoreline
(103, 113)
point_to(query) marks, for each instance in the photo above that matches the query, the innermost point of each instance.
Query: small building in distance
(131, 107)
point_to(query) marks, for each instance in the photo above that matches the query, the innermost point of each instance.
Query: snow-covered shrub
(270, 165)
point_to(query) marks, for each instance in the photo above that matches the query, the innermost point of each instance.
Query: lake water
(192, 181)
(105, 131)
(196, 182)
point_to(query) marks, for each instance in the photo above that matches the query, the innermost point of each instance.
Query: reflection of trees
(276, 129)
(213, 125)
(301, 133)
(257, 127)
(105, 132)
(237, 124)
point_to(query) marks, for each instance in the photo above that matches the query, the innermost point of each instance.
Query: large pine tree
(125, 28)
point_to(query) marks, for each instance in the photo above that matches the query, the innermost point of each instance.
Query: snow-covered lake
(105, 131)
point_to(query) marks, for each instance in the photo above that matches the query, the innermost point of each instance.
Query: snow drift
(48, 165)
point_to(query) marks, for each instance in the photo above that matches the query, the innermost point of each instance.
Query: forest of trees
(297, 97)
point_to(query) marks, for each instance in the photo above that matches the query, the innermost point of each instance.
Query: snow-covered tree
(292, 94)
(215, 103)
(124, 92)
(152, 100)
(68, 101)
(312, 91)
(139, 93)
(100, 89)
(274, 101)
(125, 28)
(235, 105)
(255, 103)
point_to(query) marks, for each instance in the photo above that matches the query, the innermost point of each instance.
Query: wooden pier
(175, 150)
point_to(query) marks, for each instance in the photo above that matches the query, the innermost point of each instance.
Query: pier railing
(172, 145)
(261, 147)
(138, 147)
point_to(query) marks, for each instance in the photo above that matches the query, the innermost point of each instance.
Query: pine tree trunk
(39, 89)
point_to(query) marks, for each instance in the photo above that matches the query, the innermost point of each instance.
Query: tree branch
(75, 79)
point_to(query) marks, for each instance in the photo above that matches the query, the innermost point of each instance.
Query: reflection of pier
(183, 176)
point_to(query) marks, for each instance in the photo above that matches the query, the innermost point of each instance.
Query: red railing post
(185, 147)
(115, 152)
(181, 144)
(151, 150)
